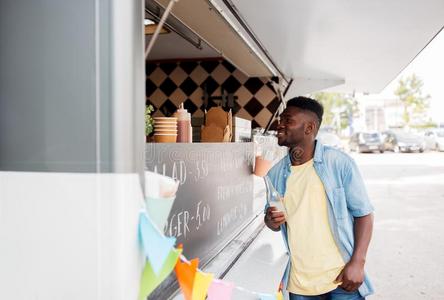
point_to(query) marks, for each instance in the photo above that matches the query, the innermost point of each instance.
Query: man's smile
(281, 132)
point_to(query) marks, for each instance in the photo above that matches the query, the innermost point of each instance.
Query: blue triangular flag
(155, 245)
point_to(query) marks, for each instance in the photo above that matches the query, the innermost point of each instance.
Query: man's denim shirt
(346, 193)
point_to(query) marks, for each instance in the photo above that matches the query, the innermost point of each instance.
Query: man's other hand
(351, 277)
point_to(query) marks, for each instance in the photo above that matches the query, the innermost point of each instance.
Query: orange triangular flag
(185, 273)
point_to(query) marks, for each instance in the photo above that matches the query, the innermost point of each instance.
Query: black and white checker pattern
(170, 83)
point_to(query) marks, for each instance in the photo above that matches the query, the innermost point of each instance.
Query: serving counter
(215, 199)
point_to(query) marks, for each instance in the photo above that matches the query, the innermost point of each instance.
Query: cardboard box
(218, 126)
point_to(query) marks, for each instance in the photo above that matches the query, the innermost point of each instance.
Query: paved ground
(406, 259)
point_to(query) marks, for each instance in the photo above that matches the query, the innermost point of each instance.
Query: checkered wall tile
(170, 83)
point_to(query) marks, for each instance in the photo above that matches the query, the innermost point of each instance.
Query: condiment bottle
(190, 131)
(183, 124)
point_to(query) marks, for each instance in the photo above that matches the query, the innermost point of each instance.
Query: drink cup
(165, 138)
(261, 166)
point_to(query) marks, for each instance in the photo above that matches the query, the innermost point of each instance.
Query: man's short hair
(309, 104)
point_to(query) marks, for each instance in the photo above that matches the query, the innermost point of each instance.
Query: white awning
(340, 45)
(353, 45)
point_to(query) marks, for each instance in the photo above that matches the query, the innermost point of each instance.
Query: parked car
(402, 142)
(434, 139)
(330, 139)
(366, 142)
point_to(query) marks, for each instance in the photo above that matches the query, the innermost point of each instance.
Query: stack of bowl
(165, 129)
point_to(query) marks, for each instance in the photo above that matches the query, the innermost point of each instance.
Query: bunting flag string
(149, 233)
(162, 258)
(201, 284)
(220, 290)
(150, 280)
(186, 272)
(158, 209)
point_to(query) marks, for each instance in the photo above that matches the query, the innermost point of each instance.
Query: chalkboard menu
(215, 197)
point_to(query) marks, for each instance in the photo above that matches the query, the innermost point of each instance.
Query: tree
(337, 108)
(410, 94)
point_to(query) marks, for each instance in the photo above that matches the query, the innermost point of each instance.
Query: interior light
(147, 22)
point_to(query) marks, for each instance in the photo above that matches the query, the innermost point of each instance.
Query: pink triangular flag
(220, 290)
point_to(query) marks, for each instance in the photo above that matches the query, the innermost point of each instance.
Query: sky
(429, 66)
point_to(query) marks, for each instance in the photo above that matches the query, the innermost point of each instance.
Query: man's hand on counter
(274, 218)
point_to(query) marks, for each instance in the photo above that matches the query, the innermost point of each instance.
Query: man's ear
(310, 127)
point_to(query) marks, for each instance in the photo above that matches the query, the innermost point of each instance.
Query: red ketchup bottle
(183, 125)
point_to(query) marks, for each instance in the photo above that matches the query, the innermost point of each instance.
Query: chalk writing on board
(231, 216)
(215, 198)
(180, 170)
(228, 162)
(201, 170)
(186, 221)
(239, 210)
(226, 192)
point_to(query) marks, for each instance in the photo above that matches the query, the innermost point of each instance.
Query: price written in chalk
(183, 222)
(182, 171)
(201, 170)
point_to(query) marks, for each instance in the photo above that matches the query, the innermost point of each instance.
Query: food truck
(75, 78)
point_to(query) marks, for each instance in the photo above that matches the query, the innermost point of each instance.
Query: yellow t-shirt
(315, 257)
